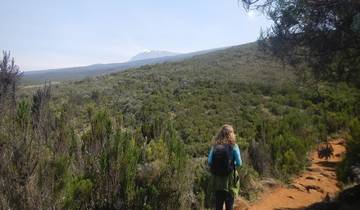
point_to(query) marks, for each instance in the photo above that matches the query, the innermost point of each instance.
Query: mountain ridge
(82, 72)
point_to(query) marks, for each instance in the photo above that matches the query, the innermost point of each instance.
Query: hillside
(82, 72)
(173, 89)
(129, 139)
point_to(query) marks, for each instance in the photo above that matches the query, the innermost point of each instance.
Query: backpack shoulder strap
(231, 149)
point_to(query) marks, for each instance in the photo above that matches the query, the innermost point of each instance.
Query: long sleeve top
(235, 154)
(226, 183)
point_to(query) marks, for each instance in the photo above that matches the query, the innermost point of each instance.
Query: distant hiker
(223, 159)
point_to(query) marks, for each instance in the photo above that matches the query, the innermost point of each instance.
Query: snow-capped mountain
(149, 54)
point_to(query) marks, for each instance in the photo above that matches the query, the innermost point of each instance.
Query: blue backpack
(222, 160)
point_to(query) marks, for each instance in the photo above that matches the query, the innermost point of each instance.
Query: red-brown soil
(313, 185)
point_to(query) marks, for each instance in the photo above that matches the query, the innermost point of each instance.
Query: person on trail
(223, 159)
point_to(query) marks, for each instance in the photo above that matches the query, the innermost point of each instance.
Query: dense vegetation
(322, 35)
(138, 139)
(320, 38)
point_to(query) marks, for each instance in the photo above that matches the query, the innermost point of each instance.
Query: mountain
(149, 54)
(78, 73)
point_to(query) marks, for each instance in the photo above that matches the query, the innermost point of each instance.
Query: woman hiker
(223, 159)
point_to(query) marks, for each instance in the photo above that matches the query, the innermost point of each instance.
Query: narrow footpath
(314, 185)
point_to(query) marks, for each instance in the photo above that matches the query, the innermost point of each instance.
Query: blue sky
(43, 34)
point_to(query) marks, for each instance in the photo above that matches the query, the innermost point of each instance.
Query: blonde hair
(226, 135)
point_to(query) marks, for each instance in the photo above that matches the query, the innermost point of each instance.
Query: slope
(276, 119)
(78, 73)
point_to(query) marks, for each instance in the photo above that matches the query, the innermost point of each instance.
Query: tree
(9, 79)
(9, 76)
(320, 35)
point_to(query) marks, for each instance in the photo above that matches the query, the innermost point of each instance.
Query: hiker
(223, 159)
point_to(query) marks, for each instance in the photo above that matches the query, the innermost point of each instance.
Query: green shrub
(352, 157)
(77, 194)
(249, 186)
(336, 121)
(289, 154)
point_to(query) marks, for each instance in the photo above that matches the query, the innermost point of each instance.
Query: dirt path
(318, 181)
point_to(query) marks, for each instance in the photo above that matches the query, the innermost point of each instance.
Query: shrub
(260, 157)
(289, 155)
(336, 121)
(248, 178)
(352, 158)
(77, 193)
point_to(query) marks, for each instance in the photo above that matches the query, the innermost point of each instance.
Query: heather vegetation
(321, 38)
(138, 139)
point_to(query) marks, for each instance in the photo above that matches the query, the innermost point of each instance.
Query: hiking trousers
(222, 197)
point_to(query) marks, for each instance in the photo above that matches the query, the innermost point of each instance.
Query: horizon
(84, 33)
(129, 61)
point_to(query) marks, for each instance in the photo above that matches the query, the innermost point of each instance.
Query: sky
(45, 34)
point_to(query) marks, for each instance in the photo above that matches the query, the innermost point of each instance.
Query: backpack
(222, 161)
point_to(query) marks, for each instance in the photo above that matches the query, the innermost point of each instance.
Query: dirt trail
(318, 181)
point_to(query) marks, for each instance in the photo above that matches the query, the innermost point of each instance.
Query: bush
(249, 182)
(352, 158)
(260, 157)
(289, 155)
(336, 121)
(77, 193)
